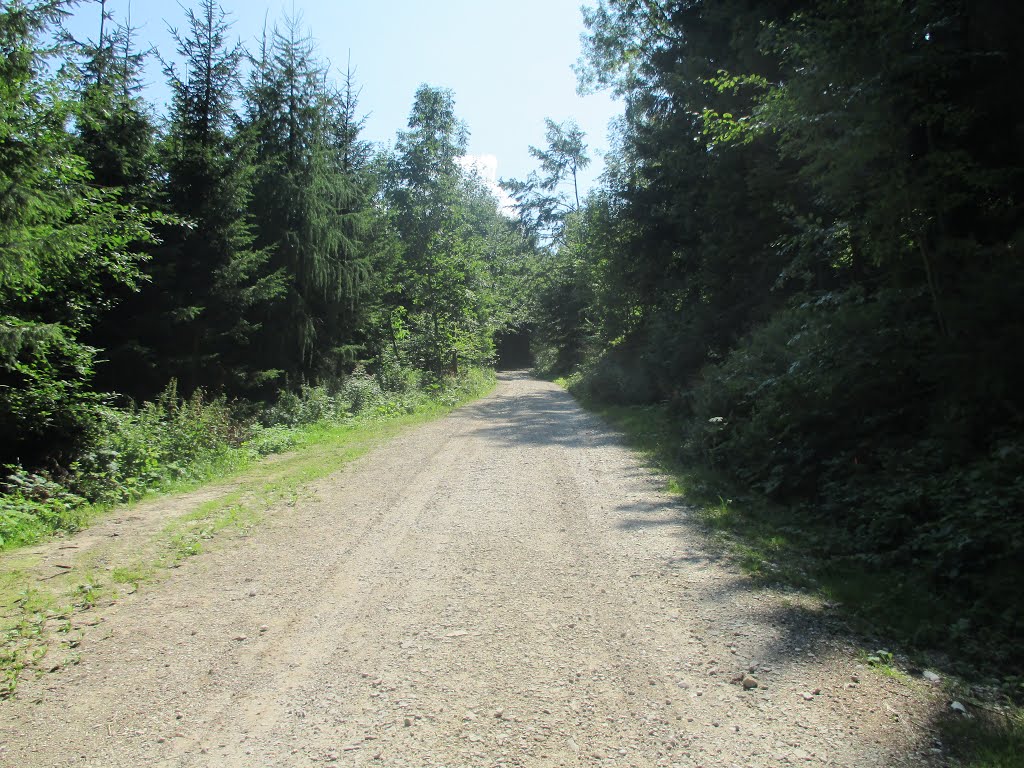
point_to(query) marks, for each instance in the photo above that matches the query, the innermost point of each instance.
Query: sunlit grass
(31, 606)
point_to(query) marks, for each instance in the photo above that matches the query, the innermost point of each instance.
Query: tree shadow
(535, 418)
(786, 632)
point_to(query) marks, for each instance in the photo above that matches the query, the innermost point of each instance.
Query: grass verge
(774, 544)
(987, 740)
(43, 615)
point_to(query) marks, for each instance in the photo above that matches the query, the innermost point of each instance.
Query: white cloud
(486, 166)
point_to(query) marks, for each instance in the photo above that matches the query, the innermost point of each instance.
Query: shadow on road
(792, 635)
(539, 417)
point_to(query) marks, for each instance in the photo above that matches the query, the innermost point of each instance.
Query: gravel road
(508, 586)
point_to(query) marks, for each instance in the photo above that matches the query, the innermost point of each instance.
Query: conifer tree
(63, 243)
(115, 129)
(117, 136)
(312, 198)
(213, 277)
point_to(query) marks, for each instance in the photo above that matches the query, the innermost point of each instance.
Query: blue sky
(509, 63)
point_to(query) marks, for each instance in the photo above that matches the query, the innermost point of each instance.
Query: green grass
(132, 575)
(986, 740)
(883, 663)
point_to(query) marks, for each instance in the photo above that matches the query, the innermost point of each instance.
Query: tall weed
(131, 451)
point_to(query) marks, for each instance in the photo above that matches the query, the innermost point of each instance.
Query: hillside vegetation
(807, 251)
(181, 287)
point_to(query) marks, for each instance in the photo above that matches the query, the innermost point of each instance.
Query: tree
(115, 128)
(64, 243)
(312, 203)
(212, 279)
(436, 279)
(543, 201)
(117, 136)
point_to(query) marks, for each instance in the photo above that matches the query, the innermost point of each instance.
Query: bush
(394, 377)
(307, 406)
(852, 412)
(360, 391)
(32, 505)
(264, 441)
(132, 450)
(616, 377)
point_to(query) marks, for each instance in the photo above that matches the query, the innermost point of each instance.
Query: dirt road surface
(507, 586)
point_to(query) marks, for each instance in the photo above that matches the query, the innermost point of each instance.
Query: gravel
(508, 586)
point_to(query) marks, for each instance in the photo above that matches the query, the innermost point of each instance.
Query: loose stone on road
(508, 586)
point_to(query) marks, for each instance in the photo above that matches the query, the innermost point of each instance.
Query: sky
(509, 63)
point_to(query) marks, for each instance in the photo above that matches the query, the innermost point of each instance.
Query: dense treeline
(806, 246)
(246, 243)
(808, 243)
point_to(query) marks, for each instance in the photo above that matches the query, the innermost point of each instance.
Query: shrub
(360, 391)
(616, 377)
(264, 441)
(850, 411)
(133, 449)
(32, 505)
(394, 377)
(312, 403)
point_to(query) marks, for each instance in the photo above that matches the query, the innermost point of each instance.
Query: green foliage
(807, 248)
(125, 453)
(615, 378)
(542, 202)
(801, 412)
(32, 506)
(451, 274)
(170, 439)
(115, 131)
(212, 284)
(130, 452)
(311, 205)
(264, 441)
(66, 245)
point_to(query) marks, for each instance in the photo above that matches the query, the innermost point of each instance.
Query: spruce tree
(312, 203)
(213, 278)
(64, 241)
(117, 136)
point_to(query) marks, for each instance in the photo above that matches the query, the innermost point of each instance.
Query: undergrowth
(175, 443)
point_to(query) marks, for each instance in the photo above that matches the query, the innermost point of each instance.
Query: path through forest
(507, 586)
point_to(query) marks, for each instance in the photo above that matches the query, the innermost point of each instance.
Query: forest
(802, 264)
(807, 249)
(172, 287)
